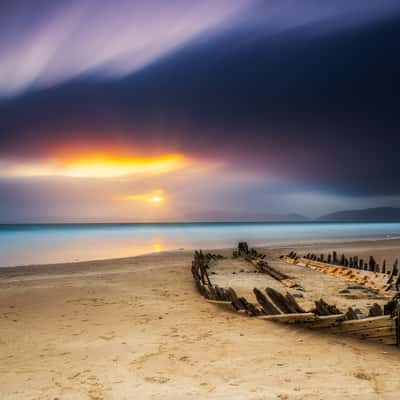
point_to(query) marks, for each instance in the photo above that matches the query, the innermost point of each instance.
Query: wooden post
(371, 263)
(397, 316)
(243, 248)
(395, 267)
(397, 283)
(383, 270)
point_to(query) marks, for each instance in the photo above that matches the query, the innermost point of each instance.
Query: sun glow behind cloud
(154, 197)
(95, 166)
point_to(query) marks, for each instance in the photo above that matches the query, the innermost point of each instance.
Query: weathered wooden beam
(364, 324)
(249, 307)
(289, 318)
(351, 314)
(391, 277)
(326, 321)
(376, 333)
(243, 248)
(371, 263)
(263, 266)
(323, 308)
(234, 298)
(295, 305)
(266, 305)
(280, 301)
(397, 317)
(375, 310)
(395, 266)
(219, 302)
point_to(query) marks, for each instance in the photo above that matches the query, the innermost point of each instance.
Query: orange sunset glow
(96, 166)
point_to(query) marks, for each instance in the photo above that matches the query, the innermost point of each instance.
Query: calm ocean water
(54, 243)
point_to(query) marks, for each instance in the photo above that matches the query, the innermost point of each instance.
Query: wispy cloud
(70, 38)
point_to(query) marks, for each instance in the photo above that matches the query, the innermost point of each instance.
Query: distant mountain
(386, 214)
(291, 217)
(294, 217)
(243, 216)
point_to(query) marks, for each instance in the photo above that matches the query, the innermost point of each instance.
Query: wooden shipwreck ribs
(380, 326)
(352, 269)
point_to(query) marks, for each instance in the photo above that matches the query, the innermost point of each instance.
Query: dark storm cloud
(310, 100)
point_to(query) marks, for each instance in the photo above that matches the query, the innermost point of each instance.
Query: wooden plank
(280, 301)
(289, 318)
(351, 314)
(218, 302)
(375, 333)
(292, 301)
(390, 340)
(267, 306)
(391, 276)
(290, 283)
(326, 321)
(368, 279)
(323, 308)
(234, 298)
(278, 275)
(364, 324)
(397, 314)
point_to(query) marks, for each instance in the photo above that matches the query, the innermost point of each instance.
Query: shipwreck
(380, 325)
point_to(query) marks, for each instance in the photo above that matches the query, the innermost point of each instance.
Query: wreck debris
(351, 314)
(381, 325)
(263, 267)
(369, 276)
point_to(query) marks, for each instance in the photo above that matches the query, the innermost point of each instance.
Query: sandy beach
(136, 328)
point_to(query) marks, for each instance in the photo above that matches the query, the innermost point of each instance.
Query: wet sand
(136, 328)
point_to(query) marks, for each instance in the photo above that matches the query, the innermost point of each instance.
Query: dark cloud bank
(315, 104)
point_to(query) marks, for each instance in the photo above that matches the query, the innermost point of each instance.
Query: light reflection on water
(39, 244)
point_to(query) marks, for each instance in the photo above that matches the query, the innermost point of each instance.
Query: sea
(29, 244)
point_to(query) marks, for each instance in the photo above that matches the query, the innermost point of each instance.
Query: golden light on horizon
(155, 197)
(97, 166)
(156, 247)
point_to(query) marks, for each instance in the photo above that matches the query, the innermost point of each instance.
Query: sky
(143, 111)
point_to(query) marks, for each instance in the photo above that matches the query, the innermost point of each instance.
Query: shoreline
(336, 242)
(63, 244)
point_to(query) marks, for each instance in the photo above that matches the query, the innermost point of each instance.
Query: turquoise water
(55, 243)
